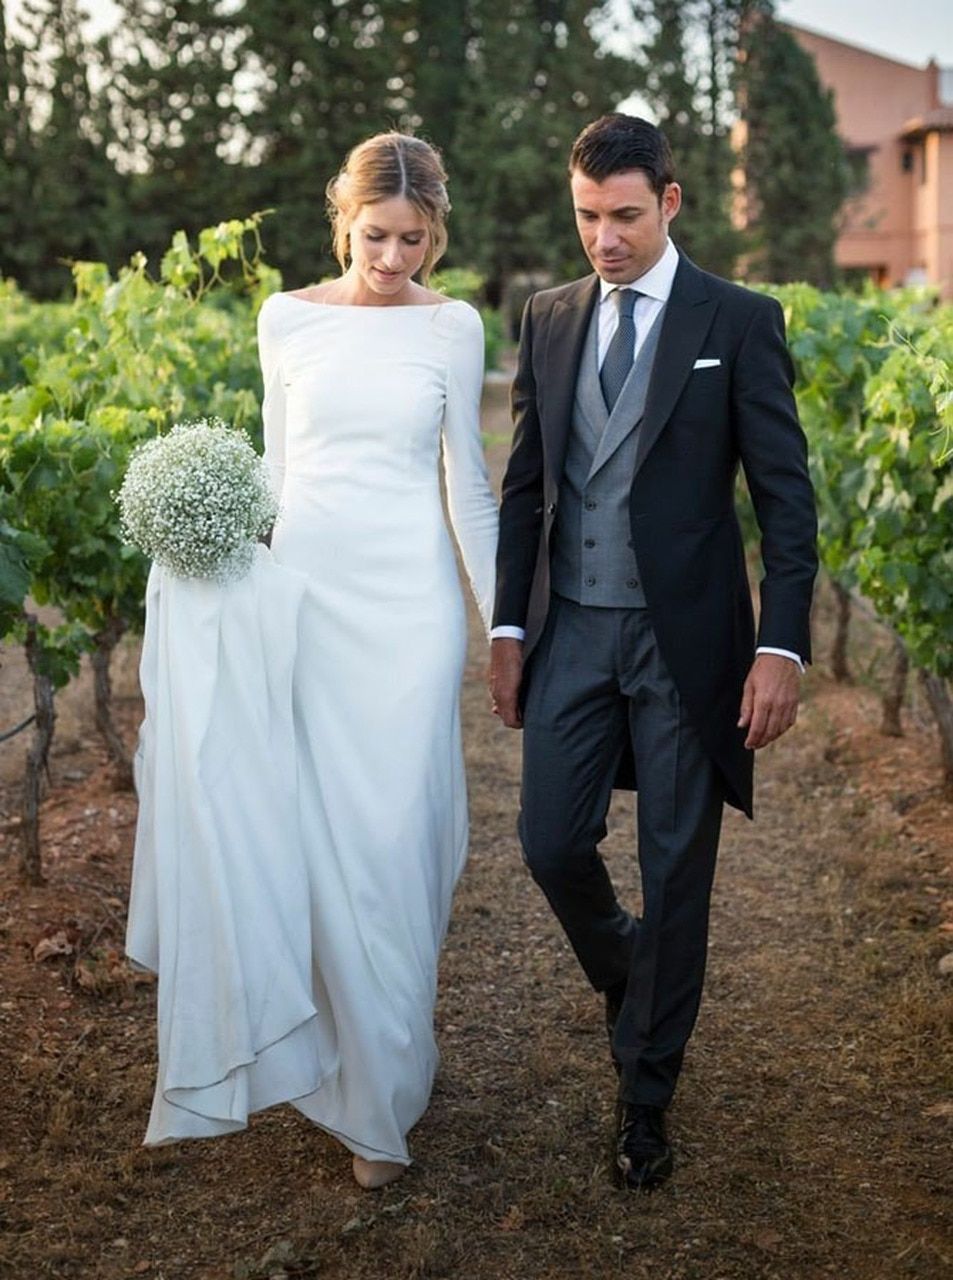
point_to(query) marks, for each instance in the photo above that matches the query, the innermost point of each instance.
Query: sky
(911, 30)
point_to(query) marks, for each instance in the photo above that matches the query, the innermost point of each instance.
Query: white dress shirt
(654, 286)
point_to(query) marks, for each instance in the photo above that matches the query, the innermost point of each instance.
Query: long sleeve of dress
(473, 508)
(273, 404)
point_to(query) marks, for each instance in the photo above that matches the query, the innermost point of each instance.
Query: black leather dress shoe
(643, 1158)
(614, 997)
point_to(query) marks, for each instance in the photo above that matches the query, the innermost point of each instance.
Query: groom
(623, 633)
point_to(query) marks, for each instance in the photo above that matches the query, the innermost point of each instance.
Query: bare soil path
(813, 1126)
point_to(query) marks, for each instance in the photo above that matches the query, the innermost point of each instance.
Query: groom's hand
(506, 672)
(769, 700)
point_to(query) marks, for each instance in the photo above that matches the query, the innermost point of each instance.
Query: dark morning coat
(698, 425)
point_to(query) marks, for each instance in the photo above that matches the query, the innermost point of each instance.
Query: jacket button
(589, 542)
(632, 582)
(551, 509)
(591, 504)
(590, 581)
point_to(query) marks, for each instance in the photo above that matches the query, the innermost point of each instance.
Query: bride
(327, 940)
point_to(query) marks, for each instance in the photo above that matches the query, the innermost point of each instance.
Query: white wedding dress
(303, 814)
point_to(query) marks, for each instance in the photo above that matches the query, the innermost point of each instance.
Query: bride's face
(388, 242)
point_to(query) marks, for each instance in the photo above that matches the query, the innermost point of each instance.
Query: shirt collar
(657, 281)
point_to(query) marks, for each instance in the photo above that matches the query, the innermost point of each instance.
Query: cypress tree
(795, 166)
(688, 95)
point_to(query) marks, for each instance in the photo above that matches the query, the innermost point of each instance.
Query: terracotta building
(897, 123)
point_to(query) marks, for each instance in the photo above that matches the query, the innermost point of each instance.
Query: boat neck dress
(360, 404)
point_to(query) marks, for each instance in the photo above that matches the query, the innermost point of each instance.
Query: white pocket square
(706, 364)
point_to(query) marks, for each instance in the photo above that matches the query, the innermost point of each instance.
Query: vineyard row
(83, 382)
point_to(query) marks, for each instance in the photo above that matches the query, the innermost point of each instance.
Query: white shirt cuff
(519, 633)
(784, 653)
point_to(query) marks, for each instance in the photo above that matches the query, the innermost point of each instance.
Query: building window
(906, 160)
(858, 169)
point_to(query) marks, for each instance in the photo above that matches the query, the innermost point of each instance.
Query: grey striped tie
(621, 353)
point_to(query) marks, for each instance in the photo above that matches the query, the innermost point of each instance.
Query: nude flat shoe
(373, 1174)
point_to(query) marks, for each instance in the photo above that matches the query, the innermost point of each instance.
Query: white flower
(197, 499)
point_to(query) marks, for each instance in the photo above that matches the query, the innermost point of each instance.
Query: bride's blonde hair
(382, 167)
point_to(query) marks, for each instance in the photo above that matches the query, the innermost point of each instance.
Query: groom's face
(622, 223)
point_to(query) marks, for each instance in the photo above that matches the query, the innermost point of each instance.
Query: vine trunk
(839, 666)
(37, 765)
(101, 658)
(892, 700)
(937, 693)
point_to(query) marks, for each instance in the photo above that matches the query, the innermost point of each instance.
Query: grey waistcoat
(592, 557)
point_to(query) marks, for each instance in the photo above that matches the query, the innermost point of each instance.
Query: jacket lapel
(685, 324)
(568, 326)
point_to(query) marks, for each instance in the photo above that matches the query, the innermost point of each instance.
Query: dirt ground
(813, 1124)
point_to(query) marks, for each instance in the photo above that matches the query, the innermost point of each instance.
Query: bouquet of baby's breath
(196, 500)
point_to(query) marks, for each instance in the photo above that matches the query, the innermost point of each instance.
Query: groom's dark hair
(617, 142)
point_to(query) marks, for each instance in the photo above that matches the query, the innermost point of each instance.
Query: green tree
(683, 70)
(65, 200)
(796, 172)
(535, 76)
(437, 42)
(329, 73)
(173, 88)
(16, 150)
(223, 109)
(501, 88)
